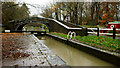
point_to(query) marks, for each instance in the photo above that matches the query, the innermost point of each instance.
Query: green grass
(101, 42)
(59, 34)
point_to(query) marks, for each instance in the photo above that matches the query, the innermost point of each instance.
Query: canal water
(70, 55)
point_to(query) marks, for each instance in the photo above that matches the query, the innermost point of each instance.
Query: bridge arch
(19, 24)
(20, 27)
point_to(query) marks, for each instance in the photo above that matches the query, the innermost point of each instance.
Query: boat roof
(115, 22)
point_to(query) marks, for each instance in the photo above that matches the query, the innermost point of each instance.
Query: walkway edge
(53, 59)
(99, 53)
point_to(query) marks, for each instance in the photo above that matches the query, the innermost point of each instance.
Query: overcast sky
(41, 3)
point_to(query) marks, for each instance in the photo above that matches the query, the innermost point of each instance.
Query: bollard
(114, 33)
(67, 41)
(98, 32)
(45, 32)
(32, 32)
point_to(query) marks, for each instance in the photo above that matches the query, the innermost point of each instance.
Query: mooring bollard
(114, 33)
(67, 41)
(45, 32)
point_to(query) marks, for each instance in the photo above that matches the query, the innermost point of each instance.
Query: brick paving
(39, 54)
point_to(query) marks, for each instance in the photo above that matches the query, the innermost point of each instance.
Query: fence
(97, 31)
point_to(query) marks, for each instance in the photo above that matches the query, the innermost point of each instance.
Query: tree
(12, 11)
(81, 9)
(84, 12)
(108, 11)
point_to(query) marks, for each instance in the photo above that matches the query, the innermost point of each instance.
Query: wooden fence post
(86, 32)
(98, 32)
(114, 33)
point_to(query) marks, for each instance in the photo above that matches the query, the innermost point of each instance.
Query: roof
(118, 22)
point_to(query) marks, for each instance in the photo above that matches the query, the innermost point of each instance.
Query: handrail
(68, 34)
(71, 34)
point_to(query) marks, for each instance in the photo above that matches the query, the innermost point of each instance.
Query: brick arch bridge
(52, 24)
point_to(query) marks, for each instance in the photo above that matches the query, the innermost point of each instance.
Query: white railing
(94, 32)
(92, 28)
(103, 33)
(101, 29)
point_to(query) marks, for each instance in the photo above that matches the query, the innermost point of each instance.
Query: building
(115, 24)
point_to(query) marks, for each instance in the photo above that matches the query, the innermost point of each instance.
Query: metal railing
(71, 34)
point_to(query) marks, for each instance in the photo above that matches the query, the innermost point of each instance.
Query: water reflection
(72, 56)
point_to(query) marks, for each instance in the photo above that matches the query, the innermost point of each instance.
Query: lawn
(101, 42)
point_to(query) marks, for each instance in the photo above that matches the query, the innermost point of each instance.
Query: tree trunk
(97, 13)
(56, 14)
(81, 17)
(70, 17)
(92, 11)
(76, 14)
(117, 12)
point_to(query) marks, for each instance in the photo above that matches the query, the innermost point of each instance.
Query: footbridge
(52, 24)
